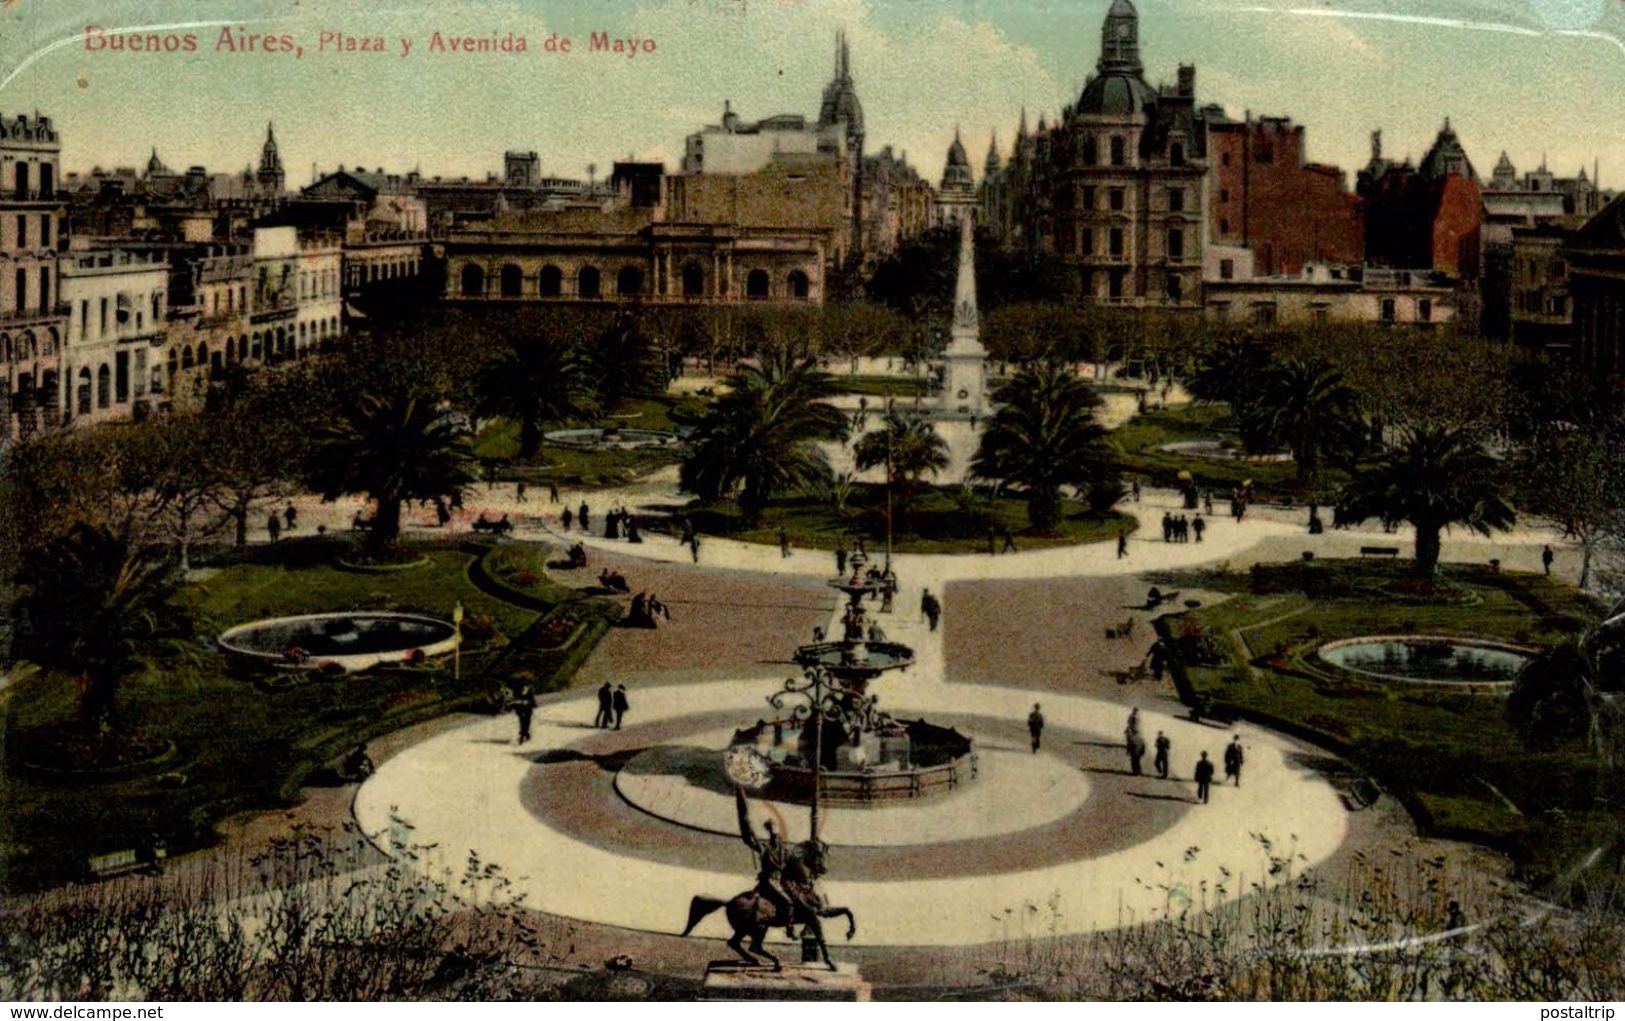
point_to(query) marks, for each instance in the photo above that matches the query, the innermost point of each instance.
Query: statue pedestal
(736, 980)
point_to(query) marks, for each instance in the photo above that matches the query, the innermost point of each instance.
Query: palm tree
(624, 361)
(1434, 477)
(90, 596)
(910, 448)
(1307, 406)
(393, 448)
(761, 437)
(531, 382)
(1043, 437)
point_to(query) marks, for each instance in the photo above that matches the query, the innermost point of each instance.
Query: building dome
(957, 169)
(1115, 94)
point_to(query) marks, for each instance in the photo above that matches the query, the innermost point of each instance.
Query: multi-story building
(1525, 220)
(319, 310)
(1266, 196)
(1320, 293)
(1540, 308)
(1114, 192)
(1595, 261)
(896, 203)
(112, 361)
(32, 319)
(1426, 217)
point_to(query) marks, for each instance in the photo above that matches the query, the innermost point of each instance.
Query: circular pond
(1429, 659)
(611, 438)
(342, 641)
(1217, 450)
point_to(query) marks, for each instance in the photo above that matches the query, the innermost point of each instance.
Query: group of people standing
(612, 707)
(582, 517)
(1177, 528)
(1135, 745)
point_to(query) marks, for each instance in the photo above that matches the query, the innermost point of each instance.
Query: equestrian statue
(786, 894)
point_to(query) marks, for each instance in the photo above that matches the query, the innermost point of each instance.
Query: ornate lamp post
(816, 697)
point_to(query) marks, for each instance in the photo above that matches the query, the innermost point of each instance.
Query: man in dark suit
(606, 707)
(621, 704)
(1204, 778)
(1232, 760)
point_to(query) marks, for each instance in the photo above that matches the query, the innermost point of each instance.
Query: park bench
(118, 863)
(1379, 551)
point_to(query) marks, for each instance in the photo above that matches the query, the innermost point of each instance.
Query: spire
(1021, 130)
(846, 58)
(991, 165)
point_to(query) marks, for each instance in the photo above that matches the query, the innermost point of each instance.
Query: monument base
(736, 980)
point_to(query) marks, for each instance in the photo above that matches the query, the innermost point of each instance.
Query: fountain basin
(1468, 663)
(1215, 450)
(856, 659)
(902, 761)
(349, 642)
(612, 438)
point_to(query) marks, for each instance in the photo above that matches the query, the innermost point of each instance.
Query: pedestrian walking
(552, 492)
(606, 706)
(931, 608)
(1134, 487)
(1035, 727)
(784, 544)
(621, 705)
(524, 705)
(291, 517)
(840, 562)
(1232, 760)
(566, 517)
(1546, 558)
(1167, 527)
(1204, 778)
(581, 516)
(519, 492)
(694, 547)
(273, 527)
(1122, 544)
(1160, 759)
(1198, 526)
(1135, 745)
(1009, 542)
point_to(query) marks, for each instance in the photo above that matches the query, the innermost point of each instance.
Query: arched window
(203, 356)
(281, 341)
(796, 283)
(157, 381)
(83, 402)
(587, 282)
(512, 280)
(1091, 152)
(242, 347)
(186, 357)
(48, 392)
(551, 281)
(693, 280)
(473, 281)
(1176, 154)
(104, 386)
(629, 282)
(5, 348)
(756, 284)
(1118, 155)
(254, 348)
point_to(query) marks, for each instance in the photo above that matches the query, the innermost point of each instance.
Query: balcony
(11, 196)
(13, 318)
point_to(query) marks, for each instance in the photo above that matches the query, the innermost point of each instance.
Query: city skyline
(981, 66)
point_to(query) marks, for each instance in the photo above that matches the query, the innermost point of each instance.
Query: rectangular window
(1089, 197)
(1176, 288)
(102, 332)
(1086, 242)
(1320, 315)
(1389, 310)
(22, 231)
(1264, 315)
(1116, 242)
(1224, 226)
(1424, 310)
(1117, 199)
(1224, 194)
(1227, 269)
(121, 377)
(45, 288)
(1119, 151)
(1176, 244)
(45, 229)
(20, 296)
(84, 318)
(1176, 200)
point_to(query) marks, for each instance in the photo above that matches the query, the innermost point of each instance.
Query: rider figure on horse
(784, 876)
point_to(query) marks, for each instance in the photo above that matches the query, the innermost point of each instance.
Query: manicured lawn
(245, 742)
(942, 521)
(498, 442)
(1139, 441)
(879, 386)
(1450, 755)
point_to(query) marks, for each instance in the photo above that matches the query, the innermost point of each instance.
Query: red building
(1423, 217)
(1268, 198)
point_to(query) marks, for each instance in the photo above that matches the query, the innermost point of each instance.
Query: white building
(112, 357)
(320, 305)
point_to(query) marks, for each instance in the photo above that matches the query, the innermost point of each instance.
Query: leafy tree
(89, 597)
(257, 444)
(1044, 437)
(761, 437)
(393, 446)
(1433, 477)
(910, 448)
(1549, 702)
(623, 361)
(853, 330)
(532, 381)
(1577, 478)
(1306, 406)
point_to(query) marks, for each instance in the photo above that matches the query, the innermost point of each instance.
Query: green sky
(1527, 76)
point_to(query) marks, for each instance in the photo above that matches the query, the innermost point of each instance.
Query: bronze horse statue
(793, 873)
(751, 914)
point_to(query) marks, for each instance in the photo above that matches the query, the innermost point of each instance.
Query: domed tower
(840, 105)
(1120, 41)
(956, 172)
(1118, 87)
(1505, 177)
